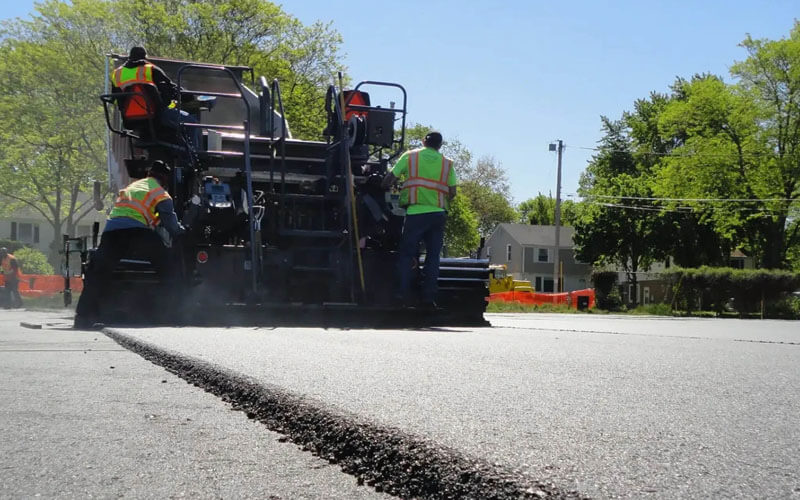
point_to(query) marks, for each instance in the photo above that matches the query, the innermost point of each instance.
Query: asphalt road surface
(553, 405)
(82, 417)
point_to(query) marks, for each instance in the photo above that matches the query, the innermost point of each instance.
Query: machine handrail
(255, 267)
(403, 110)
(277, 99)
(262, 105)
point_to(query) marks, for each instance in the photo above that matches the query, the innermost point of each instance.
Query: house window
(737, 263)
(542, 255)
(488, 251)
(25, 232)
(666, 263)
(508, 253)
(543, 284)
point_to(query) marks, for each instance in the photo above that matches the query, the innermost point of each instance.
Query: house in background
(31, 228)
(528, 252)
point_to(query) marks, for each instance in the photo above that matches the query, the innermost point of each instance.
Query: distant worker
(11, 278)
(130, 231)
(138, 70)
(430, 184)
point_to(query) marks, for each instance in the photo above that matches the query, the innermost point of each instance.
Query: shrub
(33, 261)
(713, 288)
(11, 245)
(606, 291)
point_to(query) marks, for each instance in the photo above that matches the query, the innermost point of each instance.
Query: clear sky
(509, 77)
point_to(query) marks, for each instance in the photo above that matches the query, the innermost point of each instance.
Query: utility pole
(559, 148)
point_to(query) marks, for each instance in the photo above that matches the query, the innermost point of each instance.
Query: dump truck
(279, 229)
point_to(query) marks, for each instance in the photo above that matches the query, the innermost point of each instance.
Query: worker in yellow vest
(11, 277)
(138, 71)
(429, 183)
(130, 232)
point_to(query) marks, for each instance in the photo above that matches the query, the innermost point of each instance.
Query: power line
(685, 210)
(676, 155)
(708, 200)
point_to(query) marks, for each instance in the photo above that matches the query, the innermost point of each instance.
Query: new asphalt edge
(384, 458)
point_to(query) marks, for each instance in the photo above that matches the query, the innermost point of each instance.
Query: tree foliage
(706, 169)
(461, 230)
(33, 261)
(541, 211)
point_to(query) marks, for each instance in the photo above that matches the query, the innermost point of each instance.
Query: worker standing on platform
(140, 207)
(11, 277)
(429, 185)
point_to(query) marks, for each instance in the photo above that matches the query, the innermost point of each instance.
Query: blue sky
(509, 77)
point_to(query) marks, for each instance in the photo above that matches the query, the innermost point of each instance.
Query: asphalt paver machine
(280, 230)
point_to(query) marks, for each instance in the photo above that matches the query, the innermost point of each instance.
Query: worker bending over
(130, 231)
(11, 277)
(430, 184)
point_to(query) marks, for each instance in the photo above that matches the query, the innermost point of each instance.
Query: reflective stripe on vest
(138, 201)
(415, 182)
(124, 76)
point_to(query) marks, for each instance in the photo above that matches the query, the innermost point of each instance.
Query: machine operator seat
(140, 107)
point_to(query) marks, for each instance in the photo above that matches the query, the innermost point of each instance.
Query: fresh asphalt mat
(385, 458)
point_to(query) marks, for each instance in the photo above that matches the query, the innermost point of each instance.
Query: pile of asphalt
(382, 457)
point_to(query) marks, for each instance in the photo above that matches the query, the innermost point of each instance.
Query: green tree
(541, 211)
(610, 231)
(461, 230)
(725, 155)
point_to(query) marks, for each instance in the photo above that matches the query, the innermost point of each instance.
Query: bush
(606, 291)
(652, 310)
(33, 261)
(712, 288)
(11, 245)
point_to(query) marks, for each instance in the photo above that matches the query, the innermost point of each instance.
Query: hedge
(718, 289)
(606, 292)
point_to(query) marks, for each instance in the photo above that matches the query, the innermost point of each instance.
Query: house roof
(527, 234)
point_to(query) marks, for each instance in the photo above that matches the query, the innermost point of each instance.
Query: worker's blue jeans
(427, 228)
(172, 118)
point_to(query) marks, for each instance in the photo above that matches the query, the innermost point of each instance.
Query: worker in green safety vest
(129, 232)
(429, 183)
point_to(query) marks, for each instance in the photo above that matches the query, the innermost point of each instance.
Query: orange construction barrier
(44, 285)
(533, 298)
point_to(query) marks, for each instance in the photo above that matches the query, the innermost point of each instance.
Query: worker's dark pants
(11, 292)
(136, 243)
(427, 228)
(172, 118)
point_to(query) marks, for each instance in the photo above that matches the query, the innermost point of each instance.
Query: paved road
(81, 417)
(609, 406)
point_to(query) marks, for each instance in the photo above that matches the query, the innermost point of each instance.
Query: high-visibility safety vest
(131, 80)
(138, 201)
(6, 265)
(431, 189)
(123, 77)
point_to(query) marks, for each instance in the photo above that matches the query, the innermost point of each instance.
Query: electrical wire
(708, 200)
(676, 155)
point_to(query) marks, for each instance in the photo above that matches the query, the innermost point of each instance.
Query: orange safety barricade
(534, 298)
(44, 285)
